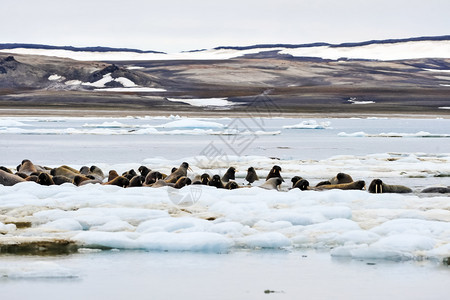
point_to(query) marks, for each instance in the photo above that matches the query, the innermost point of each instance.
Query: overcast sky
(176, 25)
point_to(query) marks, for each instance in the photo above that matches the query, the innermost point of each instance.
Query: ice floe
(205, 102)
(310, 124)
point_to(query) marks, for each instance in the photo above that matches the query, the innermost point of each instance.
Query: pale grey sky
(176, 25)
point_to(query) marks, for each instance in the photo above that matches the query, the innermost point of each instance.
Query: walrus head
(216, 181)
(232, 185)
(205, 178)
(302, 184)
(376, 186)
(295, 179)
(45, 179)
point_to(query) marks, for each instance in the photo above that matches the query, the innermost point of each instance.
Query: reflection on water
(237, 275)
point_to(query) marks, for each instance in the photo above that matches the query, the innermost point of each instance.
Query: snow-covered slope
(414, 48)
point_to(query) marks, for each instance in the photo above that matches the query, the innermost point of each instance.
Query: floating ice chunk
(192, 241)
(34, 270)
(191, 123)
(97, 239)
(113, 124)
(271, 240)
(204, 102)
(364, 251)
(405, 242)
(311, 124)
(227, 228)
(73, 82)
(173, 224)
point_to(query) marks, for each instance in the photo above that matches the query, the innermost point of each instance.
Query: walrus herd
(178, 178)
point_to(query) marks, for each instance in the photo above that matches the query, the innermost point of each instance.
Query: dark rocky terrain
(286, 84)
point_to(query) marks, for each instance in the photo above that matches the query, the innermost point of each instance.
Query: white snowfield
(198, 218)
(375, 51)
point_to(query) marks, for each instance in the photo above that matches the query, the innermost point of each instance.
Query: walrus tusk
(190, 169)
(381, 189)
(376, 188)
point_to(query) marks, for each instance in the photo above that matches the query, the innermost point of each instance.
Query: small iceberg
(310, 124)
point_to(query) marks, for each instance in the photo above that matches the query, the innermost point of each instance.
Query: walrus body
(230, 174)
(274, 172)
(355, 185)
(65, 171)
(27, 167)
(272, 183)
(437, 189)
(119, 181)
(8, 179)
(231, 185)
(178, 173)
(251, 175)
(377, 186)
(340, 178)
(216, 181)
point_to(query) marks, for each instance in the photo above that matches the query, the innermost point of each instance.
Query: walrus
(377, 186)
(272, 183)
(144, 171)
(8, 179)
(205, 178)
(274, 172)
(45, 179)
(181, 171)
(301, 184)
(216, 181)
(159, 183)
(355, 185)
(152, 177)
(229, 174)
(136, 181)
(338, 179)
(119, 181)
(181, 182)
(94, 171)
(78, 179)
(436, 189)
(231, 185)
(6, 169)
(60, 179)
(129, 174)
(112, 174)
(251, 175)
(33, 178)
(64, 171)
(294, 180)
(27, 167)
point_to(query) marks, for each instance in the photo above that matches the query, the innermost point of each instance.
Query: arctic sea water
(315, 148)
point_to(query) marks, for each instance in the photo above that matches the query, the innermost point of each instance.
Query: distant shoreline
(119, 113)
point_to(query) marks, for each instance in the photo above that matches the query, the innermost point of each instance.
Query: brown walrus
(251, 175)
(180, 172)
(45, 179)
(119, 181)
(338, 179)
(231, 185)
(8, 179)
(274, 172)
(216, 181)
(377, 186)
(27, 167)
(229, 174)
(436, 189)
(64, 171)
(355, 185)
